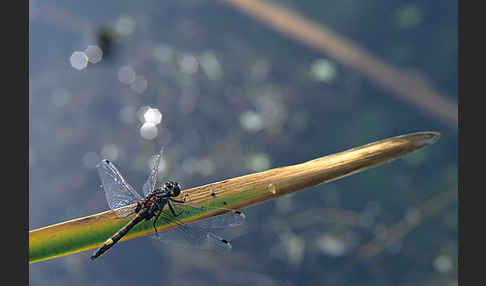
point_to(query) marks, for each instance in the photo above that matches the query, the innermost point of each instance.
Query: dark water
(237, 97)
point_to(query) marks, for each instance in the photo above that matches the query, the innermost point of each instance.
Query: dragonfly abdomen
(117, 236)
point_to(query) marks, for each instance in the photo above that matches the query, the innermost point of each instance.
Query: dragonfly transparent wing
(119, 194)
(202, 234)
(152, 179)
(230, 218)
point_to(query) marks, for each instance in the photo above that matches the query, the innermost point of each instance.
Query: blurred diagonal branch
(397, 232)
(406, 86)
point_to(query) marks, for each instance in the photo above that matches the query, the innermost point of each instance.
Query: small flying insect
(120, 195)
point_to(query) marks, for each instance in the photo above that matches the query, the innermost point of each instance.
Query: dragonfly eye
(177, 190)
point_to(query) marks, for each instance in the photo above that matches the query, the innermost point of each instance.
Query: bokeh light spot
(251, 121)
(163, 53)
(126, 75)
(331, 245)
(188, 64)
(79, 60)
(259, 162)
(94, 54)
(125, 26)
(205, 167)
(139, 85)
(443, 264)
(210, 65)
(409, 17)
(148, 131)
(323, 70)
(294, 246)
(152, 115)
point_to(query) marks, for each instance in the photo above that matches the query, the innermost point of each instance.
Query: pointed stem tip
(426, 138)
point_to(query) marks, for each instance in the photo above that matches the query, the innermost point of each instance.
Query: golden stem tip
(426, 138)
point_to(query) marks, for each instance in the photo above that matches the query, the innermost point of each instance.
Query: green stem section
(236, 193)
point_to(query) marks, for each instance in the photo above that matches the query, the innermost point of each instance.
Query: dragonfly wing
(119, 194)
(152, 179)
(199, 234)
(125, 211)
(230, 218)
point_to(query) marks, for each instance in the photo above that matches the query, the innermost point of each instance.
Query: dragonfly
(121, 197)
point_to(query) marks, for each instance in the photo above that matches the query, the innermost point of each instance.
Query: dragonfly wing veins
(118, 192)
(152, 179)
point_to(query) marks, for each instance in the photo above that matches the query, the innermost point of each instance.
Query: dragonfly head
(173, 188)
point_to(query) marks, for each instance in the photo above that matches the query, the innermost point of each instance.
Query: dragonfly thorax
(173, 189)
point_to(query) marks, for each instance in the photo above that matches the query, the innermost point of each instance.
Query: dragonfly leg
(158, 206)
(180, 201)
(155, 220)
(172, 210)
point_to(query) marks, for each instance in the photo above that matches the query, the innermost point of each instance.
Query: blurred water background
(229, 96)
